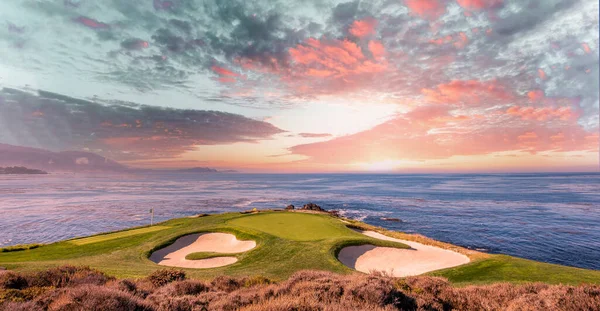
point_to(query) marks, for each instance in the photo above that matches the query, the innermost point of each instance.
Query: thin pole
(152, 217)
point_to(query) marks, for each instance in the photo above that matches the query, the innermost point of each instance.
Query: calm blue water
(548, 217)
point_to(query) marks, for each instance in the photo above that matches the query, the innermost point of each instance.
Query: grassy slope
(499, 268)
(286, 242)
(276, 256)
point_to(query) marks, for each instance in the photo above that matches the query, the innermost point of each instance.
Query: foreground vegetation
(76, 288)
(287, 242)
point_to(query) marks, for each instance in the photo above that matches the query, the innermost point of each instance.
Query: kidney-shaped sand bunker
(225, 243)
(397, 262)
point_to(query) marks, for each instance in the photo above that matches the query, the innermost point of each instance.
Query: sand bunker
(174, 254)
(420, 258)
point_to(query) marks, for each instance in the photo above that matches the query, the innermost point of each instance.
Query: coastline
(277, 256)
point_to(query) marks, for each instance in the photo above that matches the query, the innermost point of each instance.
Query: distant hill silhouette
(198, 170)
(55, 161)
(20, 170)
(75, 161)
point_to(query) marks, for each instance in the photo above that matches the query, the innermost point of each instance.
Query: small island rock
(20, 170)
(391, 219)
(312, 207)
(290, 207)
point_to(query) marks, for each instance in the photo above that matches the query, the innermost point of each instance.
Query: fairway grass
(116, 235)
(286, 243)
(503, 268)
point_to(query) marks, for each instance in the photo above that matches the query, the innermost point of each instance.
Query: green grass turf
(116, 235)
(503, 268)
(286, 242)
(207, 255)
(292, 226)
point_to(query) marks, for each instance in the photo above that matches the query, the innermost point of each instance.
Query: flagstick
(152, 217)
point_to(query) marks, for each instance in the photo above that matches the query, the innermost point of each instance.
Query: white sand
(397, 262)
(174, 254)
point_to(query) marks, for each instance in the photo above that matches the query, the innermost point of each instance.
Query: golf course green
(286, 242)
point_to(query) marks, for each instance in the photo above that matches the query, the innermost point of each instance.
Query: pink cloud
(404, 138)
(475, 5)
(226, 76)
(429, 9)
(462, 118)
(91, 23)
(330, 66)
(223, 71)
(586, 48)
(377, 49)
(542, 114)
(459, 40)
(528, 136)
(470, 92)
(363, 28)
(536, 95)
(314, 135)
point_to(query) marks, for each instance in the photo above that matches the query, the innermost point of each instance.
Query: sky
(306, 86)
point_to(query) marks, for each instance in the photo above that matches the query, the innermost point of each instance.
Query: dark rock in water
(290, 207)
(312, 207)
(334, 213)
(391, 219)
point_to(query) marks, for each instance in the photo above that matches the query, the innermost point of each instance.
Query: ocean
(550, 217)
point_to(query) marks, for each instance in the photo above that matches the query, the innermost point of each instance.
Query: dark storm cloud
(345, 13)
(121, 131)
(534, 13)
(257, 35)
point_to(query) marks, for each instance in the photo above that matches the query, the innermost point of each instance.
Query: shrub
(184, 303)
(19, 247)
(92, 297)
(11, 280)
(86, 289)
(163, 277)
(225, 283)
(256, 280)
(15, 306)
(182, 288)
(127, 286)
(67, 275)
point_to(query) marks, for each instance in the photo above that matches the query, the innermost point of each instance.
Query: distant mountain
(20, 170)
(198, 170)
(55, 161)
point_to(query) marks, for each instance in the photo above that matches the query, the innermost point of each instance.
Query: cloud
(122, 131)
(82, 161)
(479, 4)
(542, 114)
(470, 92)
(171, 44)
(464, 118)
(314, 135)
(430, 9)
(437, 134)
(363, 28)
(453, 69)
(536, 95)
(91, 23)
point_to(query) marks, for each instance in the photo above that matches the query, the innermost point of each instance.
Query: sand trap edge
(398, 262)
(173, 255)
